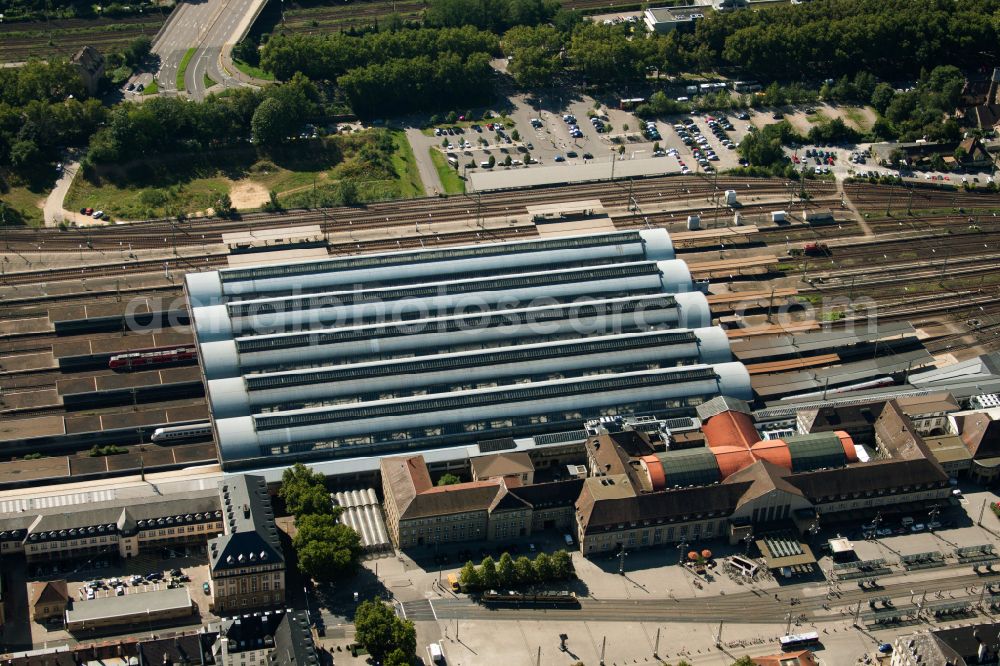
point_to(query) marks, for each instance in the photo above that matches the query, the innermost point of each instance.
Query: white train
(190, 431)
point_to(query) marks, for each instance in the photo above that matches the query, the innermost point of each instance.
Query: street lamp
(680, 547)
(748, 539)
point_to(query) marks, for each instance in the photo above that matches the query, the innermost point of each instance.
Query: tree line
(172, 125)
(43, 106)
(508, 572)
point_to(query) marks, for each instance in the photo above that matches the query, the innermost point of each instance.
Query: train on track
(560, 599)
(190, 431)
(151, 358)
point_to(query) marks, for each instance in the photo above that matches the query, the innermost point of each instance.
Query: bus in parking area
(799, 641)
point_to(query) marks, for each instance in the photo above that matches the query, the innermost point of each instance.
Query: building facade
(246, 562)
(420, 514)
(120, 528)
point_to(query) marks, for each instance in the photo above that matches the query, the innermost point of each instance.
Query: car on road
(918, 527)
(571, 153)
(205, 588)
(97, 214)
(120, 591)
(559, 158)
(884, 532)
(588, 156)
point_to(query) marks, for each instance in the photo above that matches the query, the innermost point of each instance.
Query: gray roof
(293, 642)
(722, 403)
(251, 537)
(123, 513)
(130, 604)
(250, 632)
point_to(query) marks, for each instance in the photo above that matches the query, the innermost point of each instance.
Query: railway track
(163, 234)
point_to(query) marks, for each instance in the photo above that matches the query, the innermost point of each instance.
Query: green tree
(382, 633)
(492, 161)
(325, 548)
(247, 51)
(269, 125)
(304, 491)
(524, 570)
(882, 97)
(224, 206)
(347, 192)
(488, 573)
(506, 574)
(543, 567)
(397, 657)
(534, 53)
(469, 577)
(562, 565)
(137, 50)
(448, 479)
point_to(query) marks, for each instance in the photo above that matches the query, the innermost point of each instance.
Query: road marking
(431, 604)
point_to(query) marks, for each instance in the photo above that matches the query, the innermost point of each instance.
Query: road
(731, 607)
(425, 166)
(207, 27)
(53, 210)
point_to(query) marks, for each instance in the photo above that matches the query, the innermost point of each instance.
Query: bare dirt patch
(248, 194)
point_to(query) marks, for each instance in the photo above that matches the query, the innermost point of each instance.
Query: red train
(152, 357)
(816, 248)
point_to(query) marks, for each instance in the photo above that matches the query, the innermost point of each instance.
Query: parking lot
(581, 131)
(105, 576)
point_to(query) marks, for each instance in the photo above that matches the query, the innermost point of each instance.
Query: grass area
(250, 70)
(817, 118)
(405, 165)
(378, 164)
(452, 182)
(857, 118)
(151, 89)
(208, 80)
(182, 70)
(26, 205)
(130, 201)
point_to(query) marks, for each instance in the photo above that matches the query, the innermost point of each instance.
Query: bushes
(511, 573)
(110, 450)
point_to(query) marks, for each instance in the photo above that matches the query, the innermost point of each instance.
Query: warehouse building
(369, 355)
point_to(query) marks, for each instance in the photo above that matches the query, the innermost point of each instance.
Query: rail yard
(884, 254)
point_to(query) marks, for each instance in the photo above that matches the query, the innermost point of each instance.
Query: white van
(437, 656)
(568, 539)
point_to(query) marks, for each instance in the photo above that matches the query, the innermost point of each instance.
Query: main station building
(370, 355)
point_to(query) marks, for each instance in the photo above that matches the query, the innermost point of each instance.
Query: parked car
(205, 588)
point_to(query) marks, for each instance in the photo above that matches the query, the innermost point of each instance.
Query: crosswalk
(418, 610)
(55, 501)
